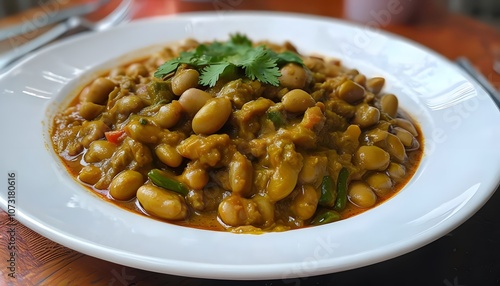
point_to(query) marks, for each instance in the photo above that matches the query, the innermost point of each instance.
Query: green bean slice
(325, 216)
(159, 179)
(328, 192)
(341, 201)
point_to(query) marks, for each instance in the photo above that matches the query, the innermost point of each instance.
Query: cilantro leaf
(210, 74)
(214, 59)
(172, 65)
(167, 68)
(262, 66)
(289, 57)
(239, 39)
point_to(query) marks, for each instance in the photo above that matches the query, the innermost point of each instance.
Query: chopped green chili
(161, 180)
(325, 216)
(341, 201)
(328, 192)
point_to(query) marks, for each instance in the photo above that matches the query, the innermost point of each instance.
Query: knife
(479, 78)
(56, 16)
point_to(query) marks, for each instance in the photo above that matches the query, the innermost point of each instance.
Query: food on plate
(240, 136)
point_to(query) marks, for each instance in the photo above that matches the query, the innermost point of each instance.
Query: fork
(117, 16)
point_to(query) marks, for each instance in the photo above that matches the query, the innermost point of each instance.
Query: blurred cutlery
(117, 16)
(57, 16)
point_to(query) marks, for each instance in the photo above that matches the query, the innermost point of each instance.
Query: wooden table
(43, 262)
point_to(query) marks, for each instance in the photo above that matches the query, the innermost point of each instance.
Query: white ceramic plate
(458, 173)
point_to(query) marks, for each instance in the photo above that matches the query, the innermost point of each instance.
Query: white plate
(458, 173)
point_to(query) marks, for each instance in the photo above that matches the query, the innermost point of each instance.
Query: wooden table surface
(40, 261)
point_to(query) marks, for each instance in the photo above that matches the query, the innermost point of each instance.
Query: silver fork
(117, 16)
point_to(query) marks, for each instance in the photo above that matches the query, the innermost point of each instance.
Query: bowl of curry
(238, 135)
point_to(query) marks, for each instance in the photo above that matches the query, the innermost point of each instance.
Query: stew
(238, 136)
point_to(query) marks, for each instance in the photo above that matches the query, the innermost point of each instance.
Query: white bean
(162, 203)
(212, 116)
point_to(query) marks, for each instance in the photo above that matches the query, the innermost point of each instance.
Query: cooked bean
(389, 104)
(162, 203)
(117, 72)
(293, 76)
(314, 63)
(395, 148)
(375, 84)
(366, 116)
(99, 90)
(332, 70)
(90, 174)
(297, 100)
(360, 79)
(168, 115)
(361, 195)
(353, 132)
(283, 181)
(376, 135)
(195, 177)
(128, 104)
(142, 131)
(193, 99)
(266, 209)
(352, 72)
(350, 91)
(91, 131)
(240, 174)
(396, 171)
(137, 69)
(404, 135)
(83, 94)
(168, 155)
(184, 80)
(405, 124)
(380, 183)
(125, 185)
(212, 116)
(349, 140)
(372, 158)
(305, 203)
(89, 110)
(99, 150)
(414, 146)
(236, 211)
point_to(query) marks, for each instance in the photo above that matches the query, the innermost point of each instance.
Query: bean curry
(238, 136)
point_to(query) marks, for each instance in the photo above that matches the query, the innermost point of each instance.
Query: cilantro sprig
(217, 58)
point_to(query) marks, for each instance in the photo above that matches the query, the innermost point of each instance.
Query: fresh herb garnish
(214, 59)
